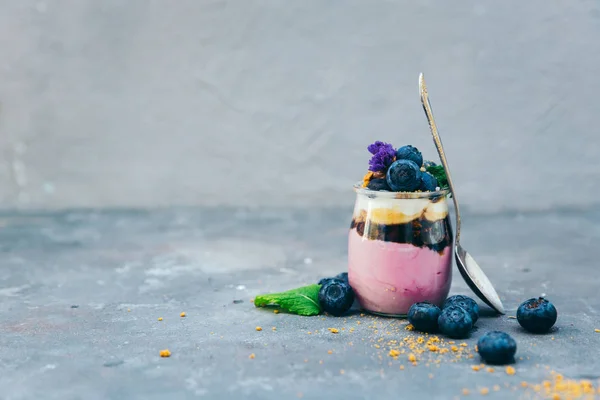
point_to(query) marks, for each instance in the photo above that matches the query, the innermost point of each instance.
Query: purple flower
(382, 158)
(374, 148)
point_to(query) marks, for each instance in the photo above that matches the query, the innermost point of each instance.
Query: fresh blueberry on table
(342, 276)
(424, 316)
(410, 153)
(336, 297)
(497, 347)
(465, 302)
(403, 176)
(323, 281)
(428, 182)
(537, 315)
(455, 322)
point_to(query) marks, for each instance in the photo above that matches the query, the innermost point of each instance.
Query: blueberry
(342, 277)
(428, 182)
(429, 163)
(410, 153)
(465, 302)
(378, 184)
(455, 322)
(325, 280)
(424, 316)
(537, 315)
(403, 176)
(336, 297)
(497, 347)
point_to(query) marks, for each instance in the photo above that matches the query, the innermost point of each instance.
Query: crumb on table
(165, 353)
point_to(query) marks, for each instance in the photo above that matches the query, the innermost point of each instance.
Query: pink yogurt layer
(389, 277)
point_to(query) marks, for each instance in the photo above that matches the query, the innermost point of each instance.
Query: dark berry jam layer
(420, 232)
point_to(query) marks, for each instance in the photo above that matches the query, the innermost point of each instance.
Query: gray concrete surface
(146, 103)
(82, 292)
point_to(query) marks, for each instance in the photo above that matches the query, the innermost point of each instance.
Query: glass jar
(400, 250)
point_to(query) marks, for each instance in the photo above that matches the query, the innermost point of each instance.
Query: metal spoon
(471, 272)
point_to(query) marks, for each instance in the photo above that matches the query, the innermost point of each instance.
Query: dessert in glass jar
(400, 239)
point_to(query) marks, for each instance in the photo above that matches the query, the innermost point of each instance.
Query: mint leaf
(438, 173)
(301, 301)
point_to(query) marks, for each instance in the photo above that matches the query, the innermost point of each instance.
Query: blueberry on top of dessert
(401, 170)
(404, 176)
(410, 153)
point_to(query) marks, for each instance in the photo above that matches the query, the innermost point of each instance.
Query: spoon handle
(440, 149)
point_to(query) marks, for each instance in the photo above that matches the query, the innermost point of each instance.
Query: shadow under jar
(399, 250)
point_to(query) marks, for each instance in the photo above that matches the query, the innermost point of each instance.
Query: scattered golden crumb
(251, 356)
(251, 300)
(524, 384)
(490, 370)
(597, 330)
(258, 328)
(465, 392)
(182, 315)
(310, 333)
(276, 311)
(394, 353)
(160, 318)
(412, 358)
(165, 353)
(556, 396)
(329, 351)
(510, 370)
(430, 376)
(512, 317)
(484, 391)
(274, 328)
(342, 372)
(333, 330)
(129, 310)
(401, 367)
(409, 327)
(433, 348)
(463, 344)
(475, 367)
(454, 349)
(496, 388)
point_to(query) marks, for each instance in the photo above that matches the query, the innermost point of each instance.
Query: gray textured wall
(272, 102)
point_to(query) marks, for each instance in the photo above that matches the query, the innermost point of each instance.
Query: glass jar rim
(359, 189)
